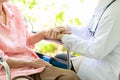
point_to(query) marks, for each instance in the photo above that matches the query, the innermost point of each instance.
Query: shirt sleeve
(104, 41)
(28, 34)
(28, 31)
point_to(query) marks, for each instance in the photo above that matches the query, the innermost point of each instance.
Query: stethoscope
(92, 32)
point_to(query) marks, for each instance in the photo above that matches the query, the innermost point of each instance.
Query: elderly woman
(16, 47)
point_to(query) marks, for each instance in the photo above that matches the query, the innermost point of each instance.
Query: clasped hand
(36, 63)
(58, 32)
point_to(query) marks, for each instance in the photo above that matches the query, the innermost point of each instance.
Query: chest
(12, 36)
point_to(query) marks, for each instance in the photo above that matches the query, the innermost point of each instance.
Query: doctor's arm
(101, 44)
(104, 41)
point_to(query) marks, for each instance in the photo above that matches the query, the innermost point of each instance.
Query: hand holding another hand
(58, 32)
(36, 63)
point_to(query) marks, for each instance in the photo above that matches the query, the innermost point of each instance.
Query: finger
(66, 32)
(54, 34)
(60, 29)
(49, 33)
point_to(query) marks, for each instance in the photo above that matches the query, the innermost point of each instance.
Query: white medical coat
(103, 49)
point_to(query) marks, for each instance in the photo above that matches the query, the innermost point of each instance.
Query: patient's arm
(36, 37)
(18, 62)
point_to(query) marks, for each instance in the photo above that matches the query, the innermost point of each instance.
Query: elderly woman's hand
(26, 62)
(36, 63)
(58, 32)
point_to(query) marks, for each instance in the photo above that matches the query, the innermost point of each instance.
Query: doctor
(98, 43)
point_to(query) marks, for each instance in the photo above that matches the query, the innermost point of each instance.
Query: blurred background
(42, 14)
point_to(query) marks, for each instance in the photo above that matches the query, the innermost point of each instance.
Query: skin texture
(35, 63)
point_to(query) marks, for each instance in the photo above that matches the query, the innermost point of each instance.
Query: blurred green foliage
(28, 3)
(58, 19)
(46, 47)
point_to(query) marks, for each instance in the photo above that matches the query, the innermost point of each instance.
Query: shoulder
(114, 10)
(112, 13)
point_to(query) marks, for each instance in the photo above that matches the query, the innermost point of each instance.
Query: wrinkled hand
(58, 32)
(36, 63)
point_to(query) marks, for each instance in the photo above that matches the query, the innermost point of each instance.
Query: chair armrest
(6, 67)
(68, 51)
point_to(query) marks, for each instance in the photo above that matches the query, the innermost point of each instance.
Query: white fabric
(103, 49)
(76, 61)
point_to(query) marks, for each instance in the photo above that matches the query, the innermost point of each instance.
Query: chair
(68, 52)
(6, 67)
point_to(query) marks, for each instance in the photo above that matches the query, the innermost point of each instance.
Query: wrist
(59, 37)
(43, 34)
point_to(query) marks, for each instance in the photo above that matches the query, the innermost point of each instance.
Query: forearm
(18, 62)
(36, 37)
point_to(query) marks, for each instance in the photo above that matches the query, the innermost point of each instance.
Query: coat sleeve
(79, 31)
(104, 41)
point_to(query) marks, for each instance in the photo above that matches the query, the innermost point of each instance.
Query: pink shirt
(13, 41)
